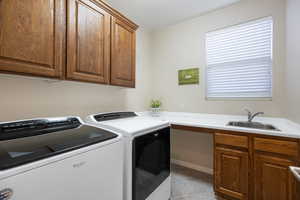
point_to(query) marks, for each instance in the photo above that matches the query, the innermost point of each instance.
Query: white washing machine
(59, 158)
(147, 153)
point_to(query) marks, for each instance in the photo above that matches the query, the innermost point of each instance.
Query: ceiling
(152, 14)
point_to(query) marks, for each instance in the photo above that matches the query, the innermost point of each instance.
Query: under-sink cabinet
(231, 172)
(255, 167)
(272, 177)
(231, 165)
(81, 40)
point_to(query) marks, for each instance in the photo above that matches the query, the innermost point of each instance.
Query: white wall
(138, 99)
(194, 149)
(292, 60)
(183, 46)
(26, 97)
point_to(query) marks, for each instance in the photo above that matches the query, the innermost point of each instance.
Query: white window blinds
(239, 61)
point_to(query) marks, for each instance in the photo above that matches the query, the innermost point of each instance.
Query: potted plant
(155, 106)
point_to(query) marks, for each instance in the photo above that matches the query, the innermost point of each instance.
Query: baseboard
(192, 166)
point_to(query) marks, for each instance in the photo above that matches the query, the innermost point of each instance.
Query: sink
(255, 125)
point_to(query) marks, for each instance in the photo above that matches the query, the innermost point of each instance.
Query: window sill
(238, 99)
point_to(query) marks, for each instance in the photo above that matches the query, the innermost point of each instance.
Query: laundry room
(149, 100)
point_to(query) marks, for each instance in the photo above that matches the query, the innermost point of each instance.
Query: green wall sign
(188, 76)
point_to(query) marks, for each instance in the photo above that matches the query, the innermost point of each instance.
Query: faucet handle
(249, 113)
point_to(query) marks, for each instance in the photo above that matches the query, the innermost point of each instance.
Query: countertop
(215, 121)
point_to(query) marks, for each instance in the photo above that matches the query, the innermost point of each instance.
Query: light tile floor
(188, 184)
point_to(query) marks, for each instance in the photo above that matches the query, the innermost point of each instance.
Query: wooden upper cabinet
(32, 37)
(272, 178)
(88, 42)
(100, 41)
(231, 173)
(122, 54)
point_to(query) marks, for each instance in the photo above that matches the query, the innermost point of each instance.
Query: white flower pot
(155, 112)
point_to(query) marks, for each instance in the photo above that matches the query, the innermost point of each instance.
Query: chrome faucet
(251, 116)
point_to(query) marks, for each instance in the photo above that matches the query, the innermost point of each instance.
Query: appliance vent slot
(14, 130)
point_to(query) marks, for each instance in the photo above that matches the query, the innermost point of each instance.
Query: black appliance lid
(114, 115)
(27, 141)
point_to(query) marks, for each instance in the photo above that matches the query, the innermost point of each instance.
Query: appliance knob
(6, 194)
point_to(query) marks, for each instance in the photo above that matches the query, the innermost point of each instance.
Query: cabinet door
(231, 172)
(88, 42)
(272, 178)
(122, 54)
(32, 37)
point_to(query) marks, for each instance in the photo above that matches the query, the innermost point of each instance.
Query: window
(239, 61)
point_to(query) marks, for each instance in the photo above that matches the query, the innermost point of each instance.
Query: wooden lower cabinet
(255, 168)
(272, 178)
(231, 172)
